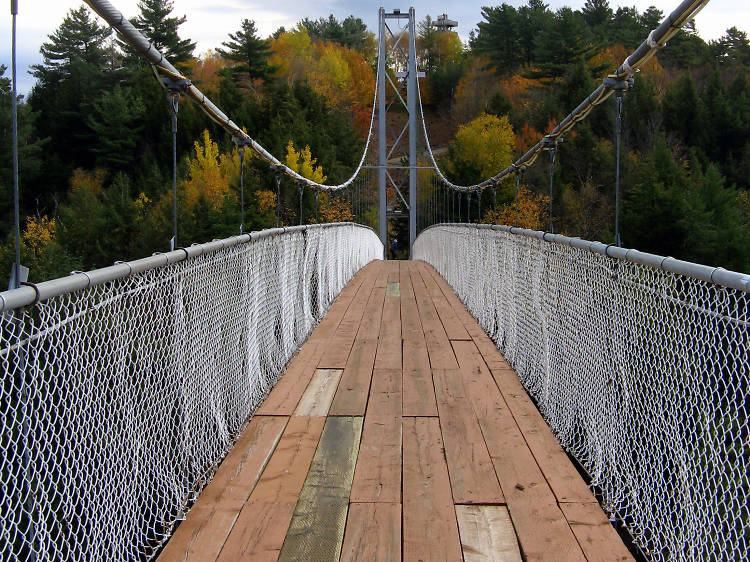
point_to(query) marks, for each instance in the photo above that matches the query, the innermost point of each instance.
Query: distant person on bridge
(394, 248)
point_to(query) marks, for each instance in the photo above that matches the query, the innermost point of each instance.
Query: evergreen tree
(79, 37)
(154, 22)
(350, 32)
(249, 51)
(116, 120)
(684, 112)
(597, 14)
(732, 47)
(627, 28)
(498, 38)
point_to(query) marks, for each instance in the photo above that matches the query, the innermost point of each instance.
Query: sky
(208, 23)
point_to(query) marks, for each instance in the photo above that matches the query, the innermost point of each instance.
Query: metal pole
(14, 114)
(174, 102)
(553, 155)
(411, 98)
(518, 183)
(381, 131)
(301, 193)
(479, 205)
(241, 151)
(619, 96)
(468, 207)
(278, 199)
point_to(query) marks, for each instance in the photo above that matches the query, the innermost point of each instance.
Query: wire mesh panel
(119, 400)
(642, 373)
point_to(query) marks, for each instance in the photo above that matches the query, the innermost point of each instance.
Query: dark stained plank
(262, 524)
(316, 401)
(598, 539)
(430, 531)
(487, 534)
(317, 528)
(418, 390)
(561, 475)
(438, 345)
(471, 472)
(377, 477)
(354, 386)
(530, 500)
(204, 531)
(373, 533)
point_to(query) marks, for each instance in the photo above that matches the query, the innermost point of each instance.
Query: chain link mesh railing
(120, 398)
(640, 364)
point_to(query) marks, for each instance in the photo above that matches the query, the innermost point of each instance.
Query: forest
(96, 153)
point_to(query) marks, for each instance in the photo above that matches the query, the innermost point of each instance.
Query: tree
(597, 14)
(154, 22)
(732, 47)
(350, 32)
(481, 149)
(684, 112)
(116, 120)
(251, 52)
(79, 37)
(498, 38)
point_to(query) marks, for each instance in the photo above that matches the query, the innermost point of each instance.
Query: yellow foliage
(210, 173)
(205, 69)
(303, 163)
(486, 143)
(38, 233)
(92, 180)
(334, 208)
(531, 212)
(339, 74)
(266, 199)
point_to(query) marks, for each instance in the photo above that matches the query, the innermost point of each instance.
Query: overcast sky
(208, 23)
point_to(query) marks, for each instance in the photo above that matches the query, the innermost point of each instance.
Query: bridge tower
(405, 64)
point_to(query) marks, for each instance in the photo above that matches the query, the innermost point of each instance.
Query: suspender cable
(619, 97)
(14, 117)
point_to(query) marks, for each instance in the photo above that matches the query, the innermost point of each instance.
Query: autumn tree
(481, 149)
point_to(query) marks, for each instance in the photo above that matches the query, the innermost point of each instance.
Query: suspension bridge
(288, 394)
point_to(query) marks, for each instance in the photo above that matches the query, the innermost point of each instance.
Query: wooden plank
(393, 270)
(285, 396)
(339, 346)
(598, 539)
(316, 401)
(562, 476)
(262, 524)
(377, 477)
(453, 327)
(317, 528)
(393, 290)
(373, 533)
(487, 534)
(471, 472)
(529, 498)
(438, 345)
(411, 325)
(369, 327)
(430, 531)
(388, 355)
(204, 531)
(418, 390)
(354, 387)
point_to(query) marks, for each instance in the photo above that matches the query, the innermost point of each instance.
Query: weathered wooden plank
(529, 498)
(354, 386)
(411, 325)
(418, 390)
(561, 475)
(377, 477)
(317, 528)
(430, 531)
(262, 524)
(438, 345)
(373, 533)
(452, 325)
(388, 355)
(471, 472)
(369, 328)
(285, 396)
(487, 534)
(204, 531)
(598, 539)
(393, 290)
(316, 401)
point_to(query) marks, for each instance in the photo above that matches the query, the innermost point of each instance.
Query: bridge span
(397, 432)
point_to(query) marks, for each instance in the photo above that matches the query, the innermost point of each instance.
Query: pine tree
(116, 120)
(249, 50)
(79, 37)
(155, 23)
(499, 38)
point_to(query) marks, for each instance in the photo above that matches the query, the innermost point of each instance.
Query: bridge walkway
(397, 432)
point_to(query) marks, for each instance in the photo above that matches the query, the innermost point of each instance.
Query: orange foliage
(526, 138)
(88, 179)
(531, 212)
(334, 208)
(340, 74)
(516, 87)
(266, 199)
(205, 69)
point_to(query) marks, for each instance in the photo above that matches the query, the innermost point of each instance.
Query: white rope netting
(120, 400)
(643, 375)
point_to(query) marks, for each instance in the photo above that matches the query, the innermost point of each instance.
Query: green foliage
(350, 32)
(116, 119)
(155, 23)
(251, 52)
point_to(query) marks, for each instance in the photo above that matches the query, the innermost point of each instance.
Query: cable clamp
(626, 66)
(652, 42)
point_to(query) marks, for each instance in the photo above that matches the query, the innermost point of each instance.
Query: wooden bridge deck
(397, 432)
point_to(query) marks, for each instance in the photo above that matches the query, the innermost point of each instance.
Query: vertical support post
(411, 100)
(14, 117)
(174, 87)
(278, 199)
(382, 222)
(619, 96)
(479, 205)
(241, 153)
(518, 183)
(468, 207)
(301, 188)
